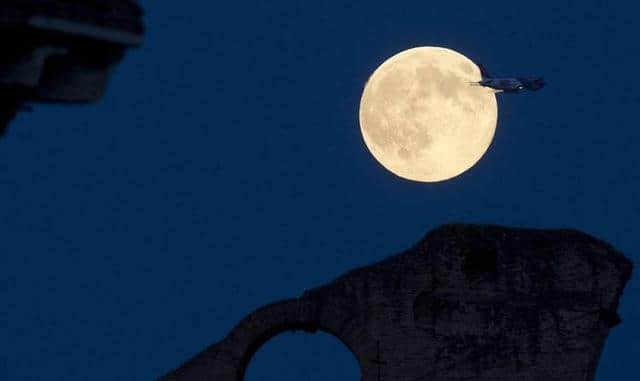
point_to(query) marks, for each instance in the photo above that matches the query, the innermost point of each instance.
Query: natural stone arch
(304, 321)
(229, 358)
(477, 302)
(302, 355)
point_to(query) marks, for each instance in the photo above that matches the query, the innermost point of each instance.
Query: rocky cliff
(468, 302)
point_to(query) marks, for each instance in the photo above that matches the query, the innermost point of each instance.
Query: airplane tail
(484, 72)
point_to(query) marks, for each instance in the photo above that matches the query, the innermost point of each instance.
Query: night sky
(225, 170)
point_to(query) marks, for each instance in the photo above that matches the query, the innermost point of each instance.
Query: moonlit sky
(225, 170)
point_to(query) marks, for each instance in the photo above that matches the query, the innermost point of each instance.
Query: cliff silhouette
(472, 302)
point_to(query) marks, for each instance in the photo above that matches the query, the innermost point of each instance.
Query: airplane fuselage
(508, 85)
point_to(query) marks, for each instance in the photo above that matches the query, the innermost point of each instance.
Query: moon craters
(421, 118)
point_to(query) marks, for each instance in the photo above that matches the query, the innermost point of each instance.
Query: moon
(421, 117)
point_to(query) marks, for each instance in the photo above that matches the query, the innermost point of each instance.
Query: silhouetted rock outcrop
(62, 51)
(469, 302)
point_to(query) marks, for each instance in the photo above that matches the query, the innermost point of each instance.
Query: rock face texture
(468, 302)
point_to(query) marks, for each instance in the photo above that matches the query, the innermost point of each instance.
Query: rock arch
(477, 302)
(229, 358)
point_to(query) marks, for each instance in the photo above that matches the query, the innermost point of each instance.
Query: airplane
(509, 85)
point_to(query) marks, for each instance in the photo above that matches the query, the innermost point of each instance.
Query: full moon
(421, 117)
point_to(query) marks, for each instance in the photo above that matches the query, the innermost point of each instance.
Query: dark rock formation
(468, 302)
(62, 51)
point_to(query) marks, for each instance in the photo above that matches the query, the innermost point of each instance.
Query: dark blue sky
(225, 169)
